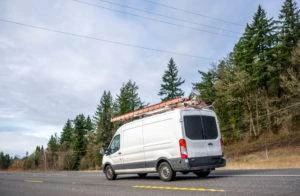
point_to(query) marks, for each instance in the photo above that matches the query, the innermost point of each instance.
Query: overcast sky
(47, 77)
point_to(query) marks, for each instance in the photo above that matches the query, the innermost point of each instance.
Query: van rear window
(200, 127)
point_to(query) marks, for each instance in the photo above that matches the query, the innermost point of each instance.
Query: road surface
(223, 182)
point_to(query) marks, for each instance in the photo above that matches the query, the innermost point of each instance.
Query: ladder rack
(159, 108)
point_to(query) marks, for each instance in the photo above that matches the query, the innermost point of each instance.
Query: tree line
(254, 90)
(258, 78)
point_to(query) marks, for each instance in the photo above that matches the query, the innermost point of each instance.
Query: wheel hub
(165, 172)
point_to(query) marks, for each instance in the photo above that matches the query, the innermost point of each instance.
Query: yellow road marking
(178, 188)
(34, 181)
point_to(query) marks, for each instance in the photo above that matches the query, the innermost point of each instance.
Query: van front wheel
(165, 172)
(110, 173)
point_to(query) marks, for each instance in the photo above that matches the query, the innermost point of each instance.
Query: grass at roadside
(284, 157)
(268, 152)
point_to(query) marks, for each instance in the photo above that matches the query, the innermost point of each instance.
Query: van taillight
(221, 142)
(183, 149)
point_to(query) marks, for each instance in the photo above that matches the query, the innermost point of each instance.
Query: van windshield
(200, 127)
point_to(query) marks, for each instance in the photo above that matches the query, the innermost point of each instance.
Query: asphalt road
(223, 182)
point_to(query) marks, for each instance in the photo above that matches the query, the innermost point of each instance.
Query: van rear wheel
(110, 173)
(165, 172)
(142, 175)
(202, 174)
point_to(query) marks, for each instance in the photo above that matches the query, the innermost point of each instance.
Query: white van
(181, 140)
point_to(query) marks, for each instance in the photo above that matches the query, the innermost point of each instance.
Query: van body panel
(145, 142)
(132, 143)
(161, 135)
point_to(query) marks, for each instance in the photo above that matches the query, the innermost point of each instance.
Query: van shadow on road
(188, 177)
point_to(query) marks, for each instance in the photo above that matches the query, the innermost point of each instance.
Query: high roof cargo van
(180, 140)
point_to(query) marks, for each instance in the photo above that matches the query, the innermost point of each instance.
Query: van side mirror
(103, 151)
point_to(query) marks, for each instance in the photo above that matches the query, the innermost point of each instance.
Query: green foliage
(53, 143)
(128, 99)
(88, 124)
(206, 88)
(104, 112)
(79, 145)
(66, 135)
(258, 78)
(5, 161)
(253, 53)
(289, 27)
(171, 83)
(289, 34)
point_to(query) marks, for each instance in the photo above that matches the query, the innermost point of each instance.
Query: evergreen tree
(206, 88)
(289, 35)
(66, 135)
(289, 28)
(89, 125)
(53, 143)
(253, 53)
(38, 156)
(171, 83)
(103, 114)
(128, 100)
(52, 154)
(254, 57)
(79, 145)
(5, 161)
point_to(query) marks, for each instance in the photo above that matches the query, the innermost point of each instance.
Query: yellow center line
(178, 188)
(34, 181)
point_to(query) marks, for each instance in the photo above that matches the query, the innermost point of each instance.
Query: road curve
(223, 182)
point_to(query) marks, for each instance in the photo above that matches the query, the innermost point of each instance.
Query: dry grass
(285, 157)
(268, 152)
(267, 141)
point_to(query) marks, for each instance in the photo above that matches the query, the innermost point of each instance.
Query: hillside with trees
(258, 78)
(255, 91)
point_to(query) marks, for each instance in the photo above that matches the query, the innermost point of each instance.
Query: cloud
(19, 144)
(46, 78)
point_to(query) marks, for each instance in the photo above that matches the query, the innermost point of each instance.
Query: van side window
(115, 144)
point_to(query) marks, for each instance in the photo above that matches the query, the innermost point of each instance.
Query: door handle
(119, 153)
(210, 144)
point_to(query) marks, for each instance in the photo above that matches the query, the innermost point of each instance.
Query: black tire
(110, 173)
(165, 172)
(202, 174)
(142, 175)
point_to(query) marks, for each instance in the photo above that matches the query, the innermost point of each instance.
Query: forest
(254, 90)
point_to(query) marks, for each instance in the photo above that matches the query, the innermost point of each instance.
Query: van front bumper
(198, 163)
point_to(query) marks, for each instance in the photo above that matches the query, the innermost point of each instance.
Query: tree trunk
(257, 116)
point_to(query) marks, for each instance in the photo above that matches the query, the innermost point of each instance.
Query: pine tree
(53, 143)
(289, 35)
(66, 135)
(79, 145)
(52, 155)
(103, 114)
(5, 160)
(254, 52)
(206, 88)
(289, 27)
(128, 100)
(89, 124)
(171, 83)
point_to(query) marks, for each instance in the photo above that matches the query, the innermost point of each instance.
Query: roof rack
(159, 108)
